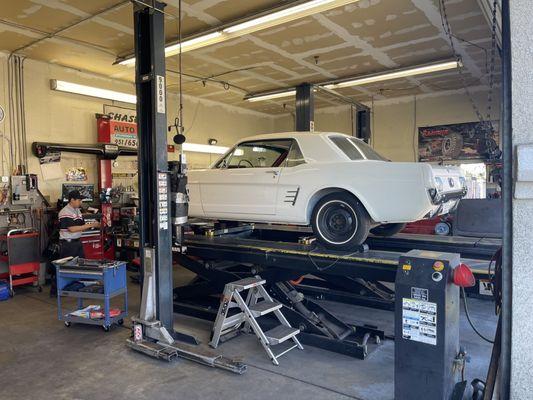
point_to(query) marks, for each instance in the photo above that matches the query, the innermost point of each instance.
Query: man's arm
(74, 223)
(84, 227)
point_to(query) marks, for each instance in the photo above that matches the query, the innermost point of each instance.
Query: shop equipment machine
(428, 360)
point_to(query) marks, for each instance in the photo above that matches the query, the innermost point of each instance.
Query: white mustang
(336, 183)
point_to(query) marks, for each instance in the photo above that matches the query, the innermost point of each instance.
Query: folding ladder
(258, 303)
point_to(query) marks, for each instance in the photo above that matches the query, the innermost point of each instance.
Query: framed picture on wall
(464, 141)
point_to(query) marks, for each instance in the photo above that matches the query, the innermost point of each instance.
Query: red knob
(463, 276)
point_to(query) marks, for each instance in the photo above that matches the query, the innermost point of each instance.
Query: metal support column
(152, 125)
(153, 330)
(305, 107)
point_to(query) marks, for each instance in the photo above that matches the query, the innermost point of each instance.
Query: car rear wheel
(340, 221)
(387, 229)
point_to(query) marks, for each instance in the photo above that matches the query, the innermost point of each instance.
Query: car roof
(289, 135)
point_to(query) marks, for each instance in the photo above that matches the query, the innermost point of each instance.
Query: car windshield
(356, 149)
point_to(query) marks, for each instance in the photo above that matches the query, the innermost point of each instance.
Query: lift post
(305, 108)
(154, 207)
(153, 330)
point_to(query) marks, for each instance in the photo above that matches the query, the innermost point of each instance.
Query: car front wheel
(340, 221)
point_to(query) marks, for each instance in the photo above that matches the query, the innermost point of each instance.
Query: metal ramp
(257, 304)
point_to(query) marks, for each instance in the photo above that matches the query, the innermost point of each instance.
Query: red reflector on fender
(463, 276)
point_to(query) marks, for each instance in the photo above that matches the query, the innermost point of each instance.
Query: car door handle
(272, 172)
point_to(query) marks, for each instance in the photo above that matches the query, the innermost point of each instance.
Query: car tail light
(463, 276)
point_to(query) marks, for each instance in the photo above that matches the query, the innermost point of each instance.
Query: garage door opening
(476, 180)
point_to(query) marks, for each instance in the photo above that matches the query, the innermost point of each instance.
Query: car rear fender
(319, 194)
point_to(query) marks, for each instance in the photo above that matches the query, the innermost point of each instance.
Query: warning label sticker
(419, 294)
(419, 321)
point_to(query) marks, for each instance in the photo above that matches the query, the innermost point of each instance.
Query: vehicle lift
(153, 329)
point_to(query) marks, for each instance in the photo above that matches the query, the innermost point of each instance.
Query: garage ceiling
(365, 37)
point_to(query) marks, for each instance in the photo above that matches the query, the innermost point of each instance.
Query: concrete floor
(42, 359)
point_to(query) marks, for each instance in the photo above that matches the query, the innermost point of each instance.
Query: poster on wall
(123, 125)
(465, 141)
(76, 174)
(51, 166)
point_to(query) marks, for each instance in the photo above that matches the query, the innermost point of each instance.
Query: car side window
(295, 156)
(347, 147)
(258, 154)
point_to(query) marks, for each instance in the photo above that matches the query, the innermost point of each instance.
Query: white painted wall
(69, 118)
(522, 273)
(395, 122)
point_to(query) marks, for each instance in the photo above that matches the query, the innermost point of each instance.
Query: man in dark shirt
(71, 226)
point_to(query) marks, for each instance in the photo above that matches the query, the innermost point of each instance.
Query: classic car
(336, 183)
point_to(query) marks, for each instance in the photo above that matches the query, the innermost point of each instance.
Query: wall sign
(122, 126)
(466, 141)
(121, 114)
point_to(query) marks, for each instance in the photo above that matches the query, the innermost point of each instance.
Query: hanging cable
(470, 321)
(23, 116)
(11, 105)
(447, 30)
(415, 132)
(180, 68)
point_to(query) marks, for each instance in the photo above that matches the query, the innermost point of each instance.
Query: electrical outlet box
(23, 189)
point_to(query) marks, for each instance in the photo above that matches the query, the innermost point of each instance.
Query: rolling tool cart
(21, 254)
(107, 276)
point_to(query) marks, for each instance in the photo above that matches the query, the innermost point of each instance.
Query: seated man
(71, 226)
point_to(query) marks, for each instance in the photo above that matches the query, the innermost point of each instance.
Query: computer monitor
(85, 189)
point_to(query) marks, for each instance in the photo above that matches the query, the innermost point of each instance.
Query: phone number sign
(124, 134)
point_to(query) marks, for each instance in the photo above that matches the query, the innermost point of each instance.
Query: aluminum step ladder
(257, 304)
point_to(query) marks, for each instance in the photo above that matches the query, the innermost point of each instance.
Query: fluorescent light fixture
(204, 148)
(270, 96)
(91, 91)
(252, 25)
(127, 61)
(192, 44)
(423, 69)
(285, 15)
(363, 80)
(187, 45)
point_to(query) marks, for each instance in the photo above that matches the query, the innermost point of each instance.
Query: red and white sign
(118, 127)
(123, 134)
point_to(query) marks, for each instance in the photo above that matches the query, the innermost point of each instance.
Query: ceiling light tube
(204, 148)
(423, 69)
(231, 31)
(270, 96)
(193, 43)
(395, 74)
(285, 15)
(91, 91)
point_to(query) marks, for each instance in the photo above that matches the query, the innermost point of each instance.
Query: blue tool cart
(109, 275)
